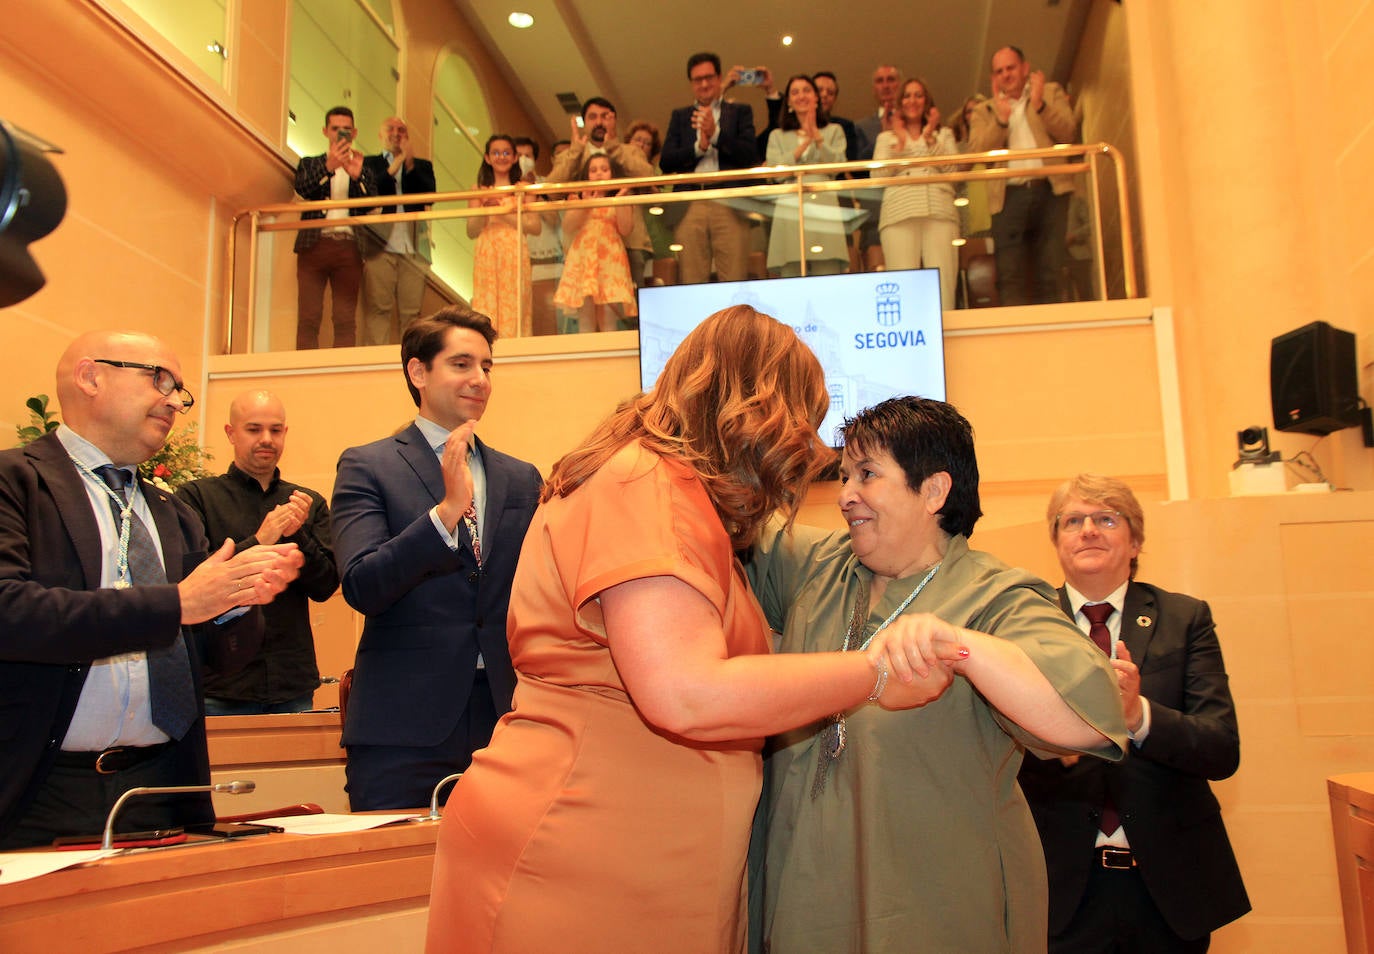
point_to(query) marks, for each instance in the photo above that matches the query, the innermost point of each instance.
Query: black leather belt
(121, 758)
(1116, 859)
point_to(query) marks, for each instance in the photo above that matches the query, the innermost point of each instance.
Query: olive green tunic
(920, 839)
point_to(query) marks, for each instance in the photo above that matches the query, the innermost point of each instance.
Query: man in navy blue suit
(428, 524)
(1137, 853)
(396, 255)
(708, 136)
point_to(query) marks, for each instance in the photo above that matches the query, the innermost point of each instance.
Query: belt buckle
(100, 768)
(1118, 859)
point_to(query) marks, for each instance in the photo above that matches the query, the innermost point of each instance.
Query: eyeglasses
(165, 381)
(1102, 520)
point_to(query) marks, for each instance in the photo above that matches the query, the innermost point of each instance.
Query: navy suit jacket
(429, 609)
(737, 145)
(1160, 789)
(415, 182)
(57, 619)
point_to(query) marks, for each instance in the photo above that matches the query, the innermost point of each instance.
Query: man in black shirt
(251, 504)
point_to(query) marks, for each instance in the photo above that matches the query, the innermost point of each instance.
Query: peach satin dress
(582, 828)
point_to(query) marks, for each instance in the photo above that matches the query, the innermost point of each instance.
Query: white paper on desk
(332, 824)
(23, 865)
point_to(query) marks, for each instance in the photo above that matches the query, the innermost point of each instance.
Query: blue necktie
(171, 690)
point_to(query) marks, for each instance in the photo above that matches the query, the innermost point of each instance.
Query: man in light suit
(428, 524)
(82, 622)
(1030, 216)
(395, 256)
(1137, 853)
(708, 136)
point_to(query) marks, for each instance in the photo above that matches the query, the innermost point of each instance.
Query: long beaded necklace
(834, 736)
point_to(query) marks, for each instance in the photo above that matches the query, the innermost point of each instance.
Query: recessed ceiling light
(959, 242)
(961, 201)
(787, 39)
(815, 250)
(655, 210)
(675, 247)
(521, 21)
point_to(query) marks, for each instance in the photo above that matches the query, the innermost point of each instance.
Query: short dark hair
(527, 141)
(828, 75)
(339, 111)
(696, 59)
(601, 101)
(924, 437)
(424, 337)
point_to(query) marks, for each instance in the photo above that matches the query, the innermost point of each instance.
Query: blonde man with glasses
(1137, 853)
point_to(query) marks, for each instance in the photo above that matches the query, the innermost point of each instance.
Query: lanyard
(898, 611)
(126, 511)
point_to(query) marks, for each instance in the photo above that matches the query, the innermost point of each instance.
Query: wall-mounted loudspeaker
(1313, 380)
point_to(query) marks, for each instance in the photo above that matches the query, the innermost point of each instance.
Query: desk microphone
(227, 788)
(434, 800)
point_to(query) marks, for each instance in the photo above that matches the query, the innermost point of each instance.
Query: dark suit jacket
(313, 184)
(737, 145)
(418, 180)
(57, 619)
(1171, 817)
(429, 611)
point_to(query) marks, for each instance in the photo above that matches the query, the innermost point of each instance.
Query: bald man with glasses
(112, 602)
(1136, 851)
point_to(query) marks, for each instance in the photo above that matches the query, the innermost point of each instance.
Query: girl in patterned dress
(501, 287)
(596, 271)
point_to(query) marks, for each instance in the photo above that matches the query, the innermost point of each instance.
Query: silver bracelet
(881, 684)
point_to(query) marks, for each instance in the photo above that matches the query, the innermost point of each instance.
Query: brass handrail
(762, 182)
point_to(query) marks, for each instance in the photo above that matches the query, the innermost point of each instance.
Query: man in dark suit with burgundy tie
(428, 524)
(1137, 853)
(110, 606)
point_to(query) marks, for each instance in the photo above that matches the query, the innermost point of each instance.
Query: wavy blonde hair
(739, 401)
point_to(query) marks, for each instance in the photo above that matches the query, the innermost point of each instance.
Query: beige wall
(1251, 173)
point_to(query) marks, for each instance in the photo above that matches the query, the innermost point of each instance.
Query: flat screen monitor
(877, 334)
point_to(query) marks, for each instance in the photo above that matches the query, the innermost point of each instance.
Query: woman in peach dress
(501, 287)
(611, 811)
(596, 269)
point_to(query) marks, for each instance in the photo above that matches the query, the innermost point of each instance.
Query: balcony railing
(261, 292)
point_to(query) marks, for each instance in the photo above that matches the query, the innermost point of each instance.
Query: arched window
(461, 125)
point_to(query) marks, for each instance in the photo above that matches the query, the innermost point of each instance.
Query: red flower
(163, 471)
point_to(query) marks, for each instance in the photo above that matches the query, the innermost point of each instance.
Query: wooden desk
(293, 758)
(285, 894)
(1352, 824)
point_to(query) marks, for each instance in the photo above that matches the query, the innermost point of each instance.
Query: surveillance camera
(1253, 444)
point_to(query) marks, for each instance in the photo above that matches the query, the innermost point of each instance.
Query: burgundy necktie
(470, 519)
(1097, 615)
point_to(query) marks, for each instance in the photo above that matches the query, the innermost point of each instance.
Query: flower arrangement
(180, 460)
